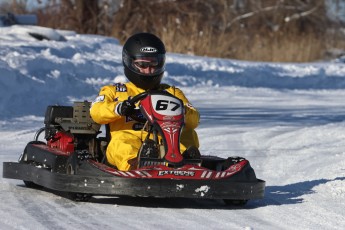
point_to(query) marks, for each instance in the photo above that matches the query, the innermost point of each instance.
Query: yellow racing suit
(126, 139)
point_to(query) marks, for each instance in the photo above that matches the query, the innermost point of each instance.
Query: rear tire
(228, 162)
(79, 197)
(72, 169)
(31, 184)
(235, 202)
(24, 159)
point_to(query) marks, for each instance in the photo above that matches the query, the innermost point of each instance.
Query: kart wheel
(24, 159)
(71, 169)
(235, 202)
(79, 197)
(72, 164)
(228, 162)
(31, 184)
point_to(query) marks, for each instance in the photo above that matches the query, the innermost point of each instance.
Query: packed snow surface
(287, 119)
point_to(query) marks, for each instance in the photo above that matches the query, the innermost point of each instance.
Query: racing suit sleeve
(192, 116)
(103, 108)
(189, 137)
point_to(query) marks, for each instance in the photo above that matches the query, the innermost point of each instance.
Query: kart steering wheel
(137, 115)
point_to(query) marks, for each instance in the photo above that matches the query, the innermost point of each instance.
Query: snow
(287, 119)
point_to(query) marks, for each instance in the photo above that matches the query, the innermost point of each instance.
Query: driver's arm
(192, 116)
(103, 107)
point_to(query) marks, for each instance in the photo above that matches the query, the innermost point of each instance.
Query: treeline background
(257, 30)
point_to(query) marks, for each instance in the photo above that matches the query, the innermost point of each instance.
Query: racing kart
(73, 160)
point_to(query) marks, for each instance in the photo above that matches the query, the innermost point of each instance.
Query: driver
(143, 57)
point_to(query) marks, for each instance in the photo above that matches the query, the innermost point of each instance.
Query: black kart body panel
(96, 182)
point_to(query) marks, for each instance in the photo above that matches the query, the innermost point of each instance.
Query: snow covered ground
(287, 119)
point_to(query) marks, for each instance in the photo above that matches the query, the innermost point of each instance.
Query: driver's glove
(125, 108)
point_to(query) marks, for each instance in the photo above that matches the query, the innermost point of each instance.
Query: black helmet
(143, 57)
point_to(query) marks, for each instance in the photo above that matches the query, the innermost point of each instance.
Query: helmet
(143, 58)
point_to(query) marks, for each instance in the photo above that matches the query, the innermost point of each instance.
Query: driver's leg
(123, 149)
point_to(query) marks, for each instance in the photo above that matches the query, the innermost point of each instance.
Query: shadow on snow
(291, 193)
(274, 196)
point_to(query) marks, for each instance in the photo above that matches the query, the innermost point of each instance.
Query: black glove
(125, 108)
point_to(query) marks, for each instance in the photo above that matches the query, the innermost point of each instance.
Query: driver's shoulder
(120, 87)
(116, 88)
(170, 88)
(167, 87)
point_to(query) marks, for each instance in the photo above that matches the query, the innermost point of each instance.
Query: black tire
(79, 197)
(30, 184)
(235, 202)
(72, 165)
(228, 162)
(24, 159)
(72, 169)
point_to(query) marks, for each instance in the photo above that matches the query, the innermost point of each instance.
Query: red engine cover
(62, 141)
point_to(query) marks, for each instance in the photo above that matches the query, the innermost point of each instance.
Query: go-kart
(72, 159)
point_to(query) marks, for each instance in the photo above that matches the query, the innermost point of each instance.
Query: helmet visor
(146, 65)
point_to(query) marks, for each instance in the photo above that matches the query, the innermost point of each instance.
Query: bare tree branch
(300, 15)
